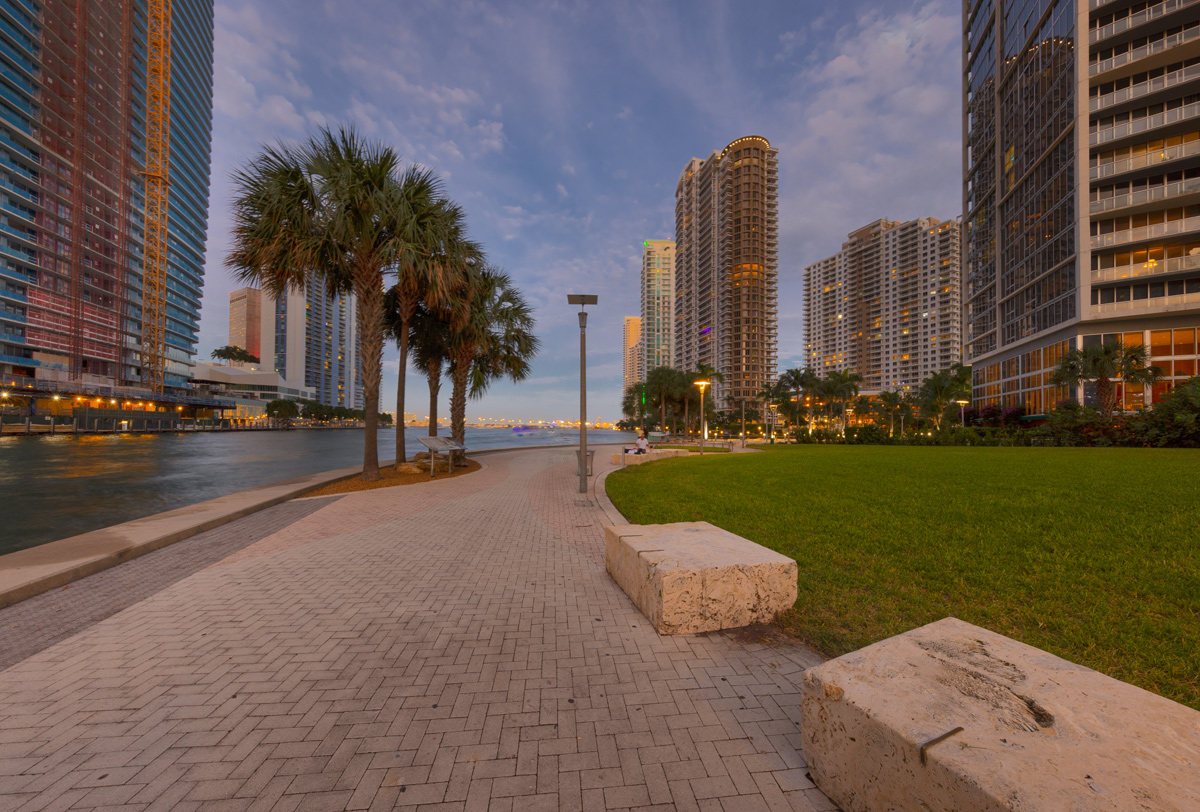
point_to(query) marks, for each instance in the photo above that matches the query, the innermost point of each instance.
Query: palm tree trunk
(458, 401)
(687, 424)
(1106, 395)
(401, 450)
(369, 289)
(434, 376)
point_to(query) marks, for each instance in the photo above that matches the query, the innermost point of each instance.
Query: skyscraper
(310, 337)
(658, 303)
(632, 352)
(245, 320)
(726, 269)
(75, 131)
(888, 305)
(1082, 213)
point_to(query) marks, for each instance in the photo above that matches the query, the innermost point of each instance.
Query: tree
(285, 410)
(336, 209)
(494, 341)
(431, 268)
(943, 388)
(1105, 364)
(840, 388)
(891, 402)
(429, 341)
(662, 383)
(803, 383)
(231, 352)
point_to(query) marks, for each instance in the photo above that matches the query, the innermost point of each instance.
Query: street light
(702, 384)
(962, 411)
(583, 300)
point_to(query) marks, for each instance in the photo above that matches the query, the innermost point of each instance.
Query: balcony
(1140, 18)
(1143, 89)
(1156, 305)
(1149, 49)
(1143, 269)
(1141, 125)
(1146, 160)
(1154, 194)
(1150, 232)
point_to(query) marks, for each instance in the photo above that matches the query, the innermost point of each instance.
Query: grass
(695, 449)
(1091, 554)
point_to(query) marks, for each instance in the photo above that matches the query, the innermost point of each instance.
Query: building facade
(245, 320)
(311, 338)
(726, 268)
(658, 304)
(888, 305)
(632, 352)
(73, 134)
(1081, 189)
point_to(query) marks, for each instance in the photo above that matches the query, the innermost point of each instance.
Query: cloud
(570, 170)
(562, 190)
(625, 113)
(489, 136)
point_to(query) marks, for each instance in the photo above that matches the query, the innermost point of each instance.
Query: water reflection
(56, 486)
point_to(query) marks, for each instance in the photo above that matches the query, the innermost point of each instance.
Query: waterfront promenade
(455, 645)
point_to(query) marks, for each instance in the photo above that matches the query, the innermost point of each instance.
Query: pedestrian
(642, 445)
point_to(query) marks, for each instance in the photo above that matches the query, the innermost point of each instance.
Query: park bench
(442, 447)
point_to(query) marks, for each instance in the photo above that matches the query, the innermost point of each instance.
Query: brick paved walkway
(455, 645)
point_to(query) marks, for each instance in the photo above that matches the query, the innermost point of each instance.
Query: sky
(562, 127)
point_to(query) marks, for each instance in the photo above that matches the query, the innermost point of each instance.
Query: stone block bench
(650, 456)
(694, 577)
(954, 717)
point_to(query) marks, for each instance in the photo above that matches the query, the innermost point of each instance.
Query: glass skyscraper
(73, 98)
(1081, 189)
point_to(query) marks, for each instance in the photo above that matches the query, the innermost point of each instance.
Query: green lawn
(1092, 554)
(695, 449)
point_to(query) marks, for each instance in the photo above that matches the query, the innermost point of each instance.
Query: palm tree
(434, 264)
(800, 382)
(841, 388)
(661, 385)
(891, 402)
(334, 208)
(772, 394)
(943, 388)
(1104, 364)
(495, 340)
(428, 335)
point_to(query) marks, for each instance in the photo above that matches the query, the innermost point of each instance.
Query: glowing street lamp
(962, 411)
(702, 384)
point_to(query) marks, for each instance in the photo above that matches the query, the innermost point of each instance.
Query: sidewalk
(455, 645)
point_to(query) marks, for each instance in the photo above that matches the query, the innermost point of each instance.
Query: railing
(1152, 194)
(1141, 125)
(1146, 232)
(1149, 48)
(1144, 88)
(1136, 304)
(1152, 268)
(1146, 159)
(1139, 18)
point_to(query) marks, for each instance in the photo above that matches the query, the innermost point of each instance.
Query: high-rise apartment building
(658, 303)
(245, 320)
(726, 268)
(1081, 189)
(888, 305)
(74, 134)
(311, 338)
(632, 352)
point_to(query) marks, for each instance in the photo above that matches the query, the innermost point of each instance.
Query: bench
(629, 458)
(691, 577)
(444, 447)
(953, 716)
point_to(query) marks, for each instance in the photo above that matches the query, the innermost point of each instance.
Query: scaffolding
(158, 143)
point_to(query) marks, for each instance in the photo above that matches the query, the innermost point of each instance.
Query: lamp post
(583, 300)
(962, 411)
(702, 384)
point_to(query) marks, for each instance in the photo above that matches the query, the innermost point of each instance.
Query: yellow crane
(158, 162)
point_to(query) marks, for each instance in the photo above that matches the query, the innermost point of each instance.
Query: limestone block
(692, 577)
(650, 456)
(412, 468)
(1039, 733)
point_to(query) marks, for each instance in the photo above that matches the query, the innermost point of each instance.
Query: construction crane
(158, 162)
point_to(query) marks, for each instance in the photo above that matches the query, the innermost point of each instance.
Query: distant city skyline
(562, 132)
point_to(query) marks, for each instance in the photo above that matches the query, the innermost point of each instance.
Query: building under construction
(105, 130)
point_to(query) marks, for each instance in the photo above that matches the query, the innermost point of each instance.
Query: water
(60, 486)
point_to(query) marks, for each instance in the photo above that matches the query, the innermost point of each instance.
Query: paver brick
(452, 645)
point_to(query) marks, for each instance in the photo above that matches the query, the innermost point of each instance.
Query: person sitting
(642, 445)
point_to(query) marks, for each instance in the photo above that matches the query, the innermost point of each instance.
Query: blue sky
(562, 128)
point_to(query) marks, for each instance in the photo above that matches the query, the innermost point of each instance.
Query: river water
(60, 486)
